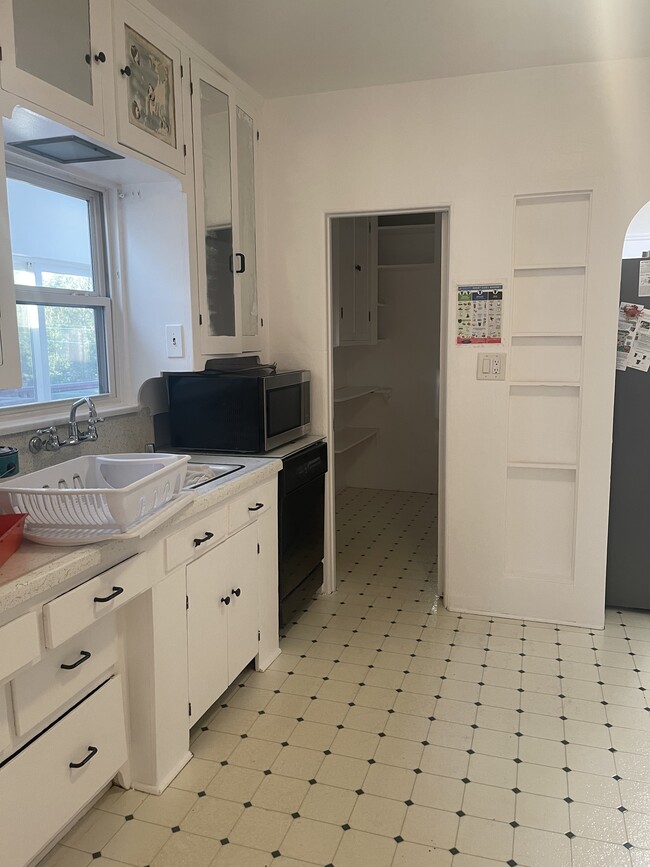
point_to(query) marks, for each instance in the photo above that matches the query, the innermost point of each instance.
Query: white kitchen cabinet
(55, 55)
(148, 69)
(354, 280)
(224, 138)
(47, 783)
(222, 617)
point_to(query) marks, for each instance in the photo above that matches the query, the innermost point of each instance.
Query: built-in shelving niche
(549, 293)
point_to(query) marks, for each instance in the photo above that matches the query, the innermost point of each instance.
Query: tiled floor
(390, 733)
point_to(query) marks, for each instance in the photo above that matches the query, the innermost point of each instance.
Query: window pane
(59, 352)
(50, 235)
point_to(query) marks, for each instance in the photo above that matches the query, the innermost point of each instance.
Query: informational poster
(639, 358)
(479, 313)
(628, 323)
(644, 278)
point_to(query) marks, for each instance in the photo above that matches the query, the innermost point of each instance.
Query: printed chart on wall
(479, 313)
(633, 340)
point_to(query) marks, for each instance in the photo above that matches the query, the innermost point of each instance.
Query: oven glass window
(283, 409)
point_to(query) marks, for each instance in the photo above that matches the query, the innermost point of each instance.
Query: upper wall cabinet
(148, 70)
(224, 141)
(354, 280)
(54, 54)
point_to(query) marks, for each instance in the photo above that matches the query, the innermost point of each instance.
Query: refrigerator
(628, 559)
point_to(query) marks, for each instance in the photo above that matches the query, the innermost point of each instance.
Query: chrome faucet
(47, 438)
(75, 436)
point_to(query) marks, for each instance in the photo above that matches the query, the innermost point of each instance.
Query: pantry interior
(386, 360)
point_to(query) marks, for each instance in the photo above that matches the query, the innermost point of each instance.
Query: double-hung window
(58, 242)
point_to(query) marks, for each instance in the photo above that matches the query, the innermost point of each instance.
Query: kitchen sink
(201, 474)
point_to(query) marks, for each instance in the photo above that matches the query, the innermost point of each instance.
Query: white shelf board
(407, 229)
(551, 267)
(538, 465)
(352, 392)
(349, 437)
(408, 266)
(546, 383)
(546, 334)
(381, 304)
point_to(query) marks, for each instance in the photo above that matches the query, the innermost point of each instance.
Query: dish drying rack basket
(107, 492)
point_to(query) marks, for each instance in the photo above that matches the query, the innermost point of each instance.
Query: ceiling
(290, 47)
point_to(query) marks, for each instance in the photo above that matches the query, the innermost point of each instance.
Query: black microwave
(247, 412)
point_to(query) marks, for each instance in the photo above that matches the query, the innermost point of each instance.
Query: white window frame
(104, 248)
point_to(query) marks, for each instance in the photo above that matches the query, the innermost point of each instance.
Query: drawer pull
(225, 600)
(92, 751)
(236, 592)
(85, 656)
(116, 592)
(206, 538)
(256, 507)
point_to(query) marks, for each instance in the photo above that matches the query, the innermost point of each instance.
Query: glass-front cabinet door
(57, 55)
(224, 137)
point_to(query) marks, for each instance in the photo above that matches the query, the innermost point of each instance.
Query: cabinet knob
(225, 600)
(92, 751)
(100, 57)
(126, 70)
(357, 267)
(236, 592)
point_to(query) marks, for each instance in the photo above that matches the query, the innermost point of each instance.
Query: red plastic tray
(11, 535)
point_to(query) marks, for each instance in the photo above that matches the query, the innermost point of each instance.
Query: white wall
(472, 143)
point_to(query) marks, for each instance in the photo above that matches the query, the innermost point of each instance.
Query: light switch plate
(174, 341)
(491, 365)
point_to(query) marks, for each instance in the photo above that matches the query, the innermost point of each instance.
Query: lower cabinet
(222, 617)
(50, 780)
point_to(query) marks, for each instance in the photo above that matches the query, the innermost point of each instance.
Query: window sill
(24, 419)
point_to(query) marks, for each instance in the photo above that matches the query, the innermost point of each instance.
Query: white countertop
(35, 570)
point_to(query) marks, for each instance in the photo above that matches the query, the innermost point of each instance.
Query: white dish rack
(94, 497)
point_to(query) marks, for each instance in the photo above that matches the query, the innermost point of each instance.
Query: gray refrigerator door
(628, 563)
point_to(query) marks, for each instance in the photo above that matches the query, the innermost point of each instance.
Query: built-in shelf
(349, 437)
(352, 392)
(546, 334)
(381, 304)
(553, 267)
(407, 229)
(409, 266)
(541, 465)
(545, 383)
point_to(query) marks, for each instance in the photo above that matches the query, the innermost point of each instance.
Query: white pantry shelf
(551, 267)
(352, 392)
(541, 465)
(407, 229)
(407, 266)
(349, 437)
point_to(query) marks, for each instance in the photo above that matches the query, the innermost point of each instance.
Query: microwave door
(286, 409)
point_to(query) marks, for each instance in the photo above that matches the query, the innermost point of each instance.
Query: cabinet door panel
(147, 70)
(54, 57)
(243, 616)
(346, 279)
(245, 134)
(361, 280)
(207, 630)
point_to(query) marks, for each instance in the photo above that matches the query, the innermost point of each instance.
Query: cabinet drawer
(196, 539)
(64, 673)
(40, 792)
(73, 611)
(249, 506)
(20, 643)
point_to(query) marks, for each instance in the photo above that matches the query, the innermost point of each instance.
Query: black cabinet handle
(225, 600)
(85, 656)
(236, 592)
(206, 538)
(126, 71)
(256, 507)
(242, 263)
(87, 58)
(92, 751)
(357, 267)
(100, 57)
(116, 592)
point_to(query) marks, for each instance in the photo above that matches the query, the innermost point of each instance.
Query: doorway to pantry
(386, 314)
